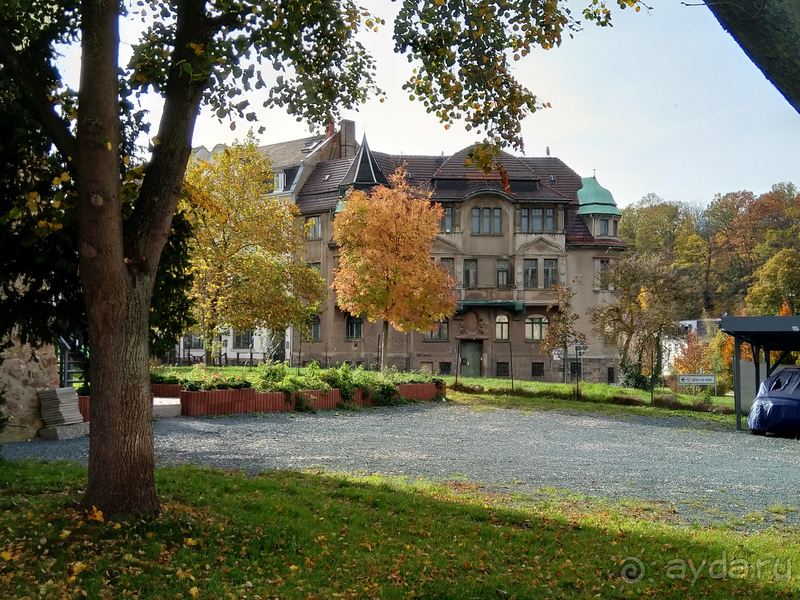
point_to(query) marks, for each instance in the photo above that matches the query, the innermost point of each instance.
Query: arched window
(501, 327)
(535, 327)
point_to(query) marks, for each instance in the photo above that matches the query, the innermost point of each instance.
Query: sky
(663, 102)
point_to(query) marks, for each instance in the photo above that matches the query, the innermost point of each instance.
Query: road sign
(698, 379)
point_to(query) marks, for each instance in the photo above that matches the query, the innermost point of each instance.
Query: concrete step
(166, 407)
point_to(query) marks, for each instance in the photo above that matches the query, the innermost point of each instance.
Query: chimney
(347, 140)
(330, 131)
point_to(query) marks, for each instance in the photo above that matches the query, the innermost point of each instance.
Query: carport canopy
(771, 334)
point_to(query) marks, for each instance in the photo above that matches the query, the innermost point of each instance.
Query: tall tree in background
(385, 268)
(776, 285)
(651, 297)
(245, 263)
(562, 330)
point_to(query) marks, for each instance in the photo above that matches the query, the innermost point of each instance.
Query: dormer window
(280, 181)
(603, 226)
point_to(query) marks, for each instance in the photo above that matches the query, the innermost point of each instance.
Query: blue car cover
(776, 409)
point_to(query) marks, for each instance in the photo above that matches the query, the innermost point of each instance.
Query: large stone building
(505, 244)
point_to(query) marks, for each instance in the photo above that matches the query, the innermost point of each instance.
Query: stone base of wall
(21, 376)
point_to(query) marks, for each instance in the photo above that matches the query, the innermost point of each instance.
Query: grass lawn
(314, 535)
(595, 397)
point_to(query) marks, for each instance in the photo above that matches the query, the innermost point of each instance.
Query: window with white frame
(535, 326)
(530, 273)
(447, 224)
(313, 228)
(501, 327)
(192, 340)
(550, 272)
(243, 339)
(603, 226)
(503, 274)
(355, 328)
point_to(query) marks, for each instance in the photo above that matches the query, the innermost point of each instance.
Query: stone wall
(21, 375)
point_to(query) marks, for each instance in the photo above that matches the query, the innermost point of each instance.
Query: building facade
(506, 240)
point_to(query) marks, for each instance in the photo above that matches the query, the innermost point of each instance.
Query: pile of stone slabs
(62, 419)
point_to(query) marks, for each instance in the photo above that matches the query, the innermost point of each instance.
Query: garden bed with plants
(274, 388)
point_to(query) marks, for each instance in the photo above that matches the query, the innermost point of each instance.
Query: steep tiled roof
(567, 182)
(538, 179)
(321, 190)
(455, 168)
(364, 171)
(288, 154)
(578, 234)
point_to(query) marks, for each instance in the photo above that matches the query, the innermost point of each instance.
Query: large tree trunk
(119, 261)
(769, 33)
(121, 476)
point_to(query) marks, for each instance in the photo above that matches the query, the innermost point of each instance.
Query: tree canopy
(385, 268)
(245, 254)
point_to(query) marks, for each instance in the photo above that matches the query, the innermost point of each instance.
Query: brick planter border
(235, 402)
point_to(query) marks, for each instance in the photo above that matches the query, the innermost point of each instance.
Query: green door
(471, 359)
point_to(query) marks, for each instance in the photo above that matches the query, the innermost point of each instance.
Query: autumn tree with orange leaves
(385, 268)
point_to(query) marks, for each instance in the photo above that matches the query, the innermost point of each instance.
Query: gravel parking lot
(710, 472)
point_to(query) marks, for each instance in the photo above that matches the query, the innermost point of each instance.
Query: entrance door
(471, 359)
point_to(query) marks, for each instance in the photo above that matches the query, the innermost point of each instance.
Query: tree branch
(29, 85)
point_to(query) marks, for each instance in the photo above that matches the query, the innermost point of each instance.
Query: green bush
(270, 373)
(162, 377)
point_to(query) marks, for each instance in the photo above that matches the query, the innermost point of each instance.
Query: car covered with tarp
(776, 409)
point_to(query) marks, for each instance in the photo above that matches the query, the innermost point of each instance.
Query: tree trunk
(769, 33)
(121, 463)
(385, 347)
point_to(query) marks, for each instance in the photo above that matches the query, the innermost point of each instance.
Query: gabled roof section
(455, 167)
(594, 199)
(364, 172)
(321, 190)
(555, 175)
(291, 153)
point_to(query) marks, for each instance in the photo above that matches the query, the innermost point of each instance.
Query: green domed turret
(594, 199)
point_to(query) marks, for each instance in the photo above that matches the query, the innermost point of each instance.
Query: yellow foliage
(245, 263)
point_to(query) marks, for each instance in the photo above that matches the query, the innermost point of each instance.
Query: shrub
(83, 390)
(192, 385)
(384, 393)
(239, 383)
(270, 373)
(161, 377)
(303, 403)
